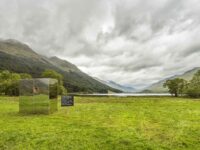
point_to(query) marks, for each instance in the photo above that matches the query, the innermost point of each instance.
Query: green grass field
(104, 123)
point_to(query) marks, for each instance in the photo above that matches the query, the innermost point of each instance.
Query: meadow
(104, 123)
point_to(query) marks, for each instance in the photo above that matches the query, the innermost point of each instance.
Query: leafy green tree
(55, 75)
(193, 88)
(176, 86)
(9, 82)
(25, 76)
(12, 88)
(4, 80)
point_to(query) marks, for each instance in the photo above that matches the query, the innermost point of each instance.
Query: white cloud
(133, 42)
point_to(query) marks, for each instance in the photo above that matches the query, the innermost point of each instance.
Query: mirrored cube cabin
(38, 96)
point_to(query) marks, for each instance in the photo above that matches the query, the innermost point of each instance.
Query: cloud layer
(132, 42)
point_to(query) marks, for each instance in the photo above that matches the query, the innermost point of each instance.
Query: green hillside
(18, 57)
(158, 87)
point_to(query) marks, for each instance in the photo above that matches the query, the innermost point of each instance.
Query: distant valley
(125, 89)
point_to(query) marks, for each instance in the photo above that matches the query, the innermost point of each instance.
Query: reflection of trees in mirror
(26, 87)
(55, 75)
(53, 91)
(41, 86)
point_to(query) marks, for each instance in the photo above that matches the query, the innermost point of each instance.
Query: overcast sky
(132, 42)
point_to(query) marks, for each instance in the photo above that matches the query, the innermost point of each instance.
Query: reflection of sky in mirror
(44, 81)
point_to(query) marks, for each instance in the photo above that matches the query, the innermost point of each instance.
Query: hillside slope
(158, 87)
(19, 57)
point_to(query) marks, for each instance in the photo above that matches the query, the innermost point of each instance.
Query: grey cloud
(194, 49)
(129, 41)
(156, 16)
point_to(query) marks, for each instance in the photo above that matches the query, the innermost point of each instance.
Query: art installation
(38, 96)
(67, 100)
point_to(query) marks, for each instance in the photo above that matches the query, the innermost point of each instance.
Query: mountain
(19, 57)
(64, 65)
(158, 87)
(120, 87)
(115, 85)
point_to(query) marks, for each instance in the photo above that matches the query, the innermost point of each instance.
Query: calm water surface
(124, 94)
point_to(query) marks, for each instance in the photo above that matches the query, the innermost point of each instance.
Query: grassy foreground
(104, 123)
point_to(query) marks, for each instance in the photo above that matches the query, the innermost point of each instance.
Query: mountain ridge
(19, 57)
(64, 64)
(158, 86)
(118, 86)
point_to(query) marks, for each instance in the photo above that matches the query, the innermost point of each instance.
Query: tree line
(9, 81)
(180, 86)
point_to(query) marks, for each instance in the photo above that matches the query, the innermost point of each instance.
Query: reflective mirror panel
(38, 96)
(53, 89)
(53, 95)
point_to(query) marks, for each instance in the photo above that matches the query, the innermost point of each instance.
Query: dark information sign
(67, 101)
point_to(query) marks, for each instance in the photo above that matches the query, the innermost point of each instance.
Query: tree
(25, 76)
(4, 80)
(9, 82)
(193, 88)
(12, 87)
(55, 75)
(176, 86)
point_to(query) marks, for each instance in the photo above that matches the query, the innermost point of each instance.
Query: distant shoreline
(122, 94)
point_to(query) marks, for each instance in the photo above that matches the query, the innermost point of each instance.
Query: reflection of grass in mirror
(107, 123)
(37, 104)
(53, 105)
